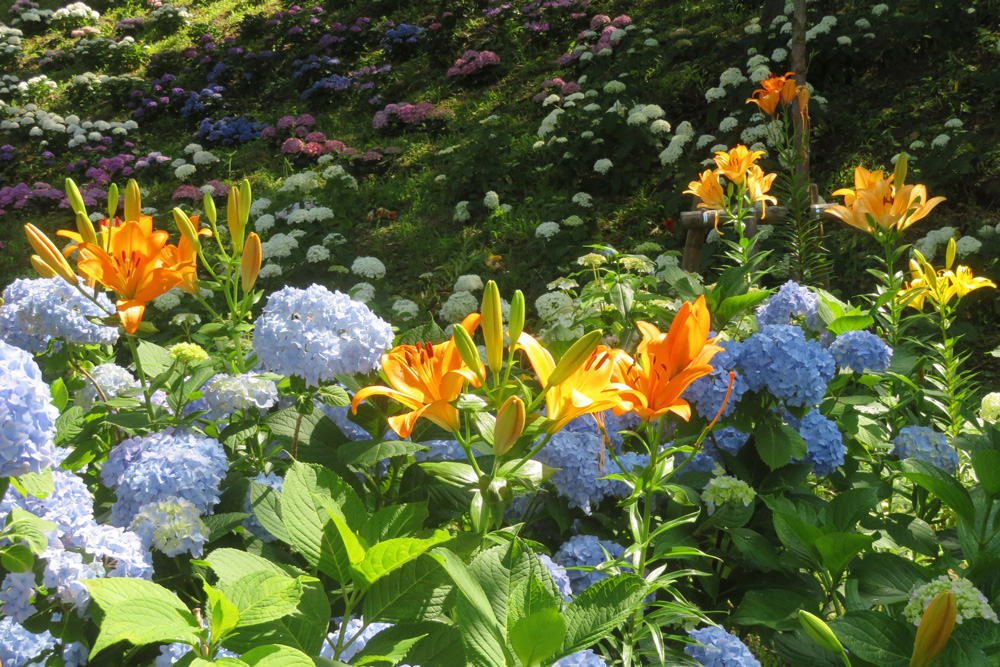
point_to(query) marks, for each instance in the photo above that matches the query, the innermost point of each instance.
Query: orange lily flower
(589, 389)
(183, 257)
(425, 378)
(758, 183)
(775, 89)
(667, 363)
(735, 164)
(875, 196)
(708, 189)
(132, 266)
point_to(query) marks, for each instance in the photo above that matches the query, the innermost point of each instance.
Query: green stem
(130, 340)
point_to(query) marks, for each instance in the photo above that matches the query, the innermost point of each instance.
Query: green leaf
(38, 485)
(264, 596)
(341, 549)
(600, 609)
(798, 536)
(386, 556)
(367, 453)
(22, 525)
(109, 593)
(755, 548)
(224, 614)
(837, 550)
(146, 621)
(154, 359)
(220, 525)
(913, 533)
(266, 504)
(963, 654)
(875, 637)
(775, 608)
(850, 505)
(334, 396)
(886, 578)
(393, 644)
(442, 647)
(987, 465)
(622, 299)
(778, 443)
(276, 656)
(305, 629)
(943, 486)
(60, 395)
(847, 323)
(16, 558)
(538, 635)
(734, 305)
(232, 564)
(394, 521)
(417, 591)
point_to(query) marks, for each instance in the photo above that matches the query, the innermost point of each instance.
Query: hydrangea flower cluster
(458, 306)
(403, 34)
(227, 394)
(16, 594)
(706, 394)
(356, 633)
(38, 310)
(585, 658)
(251, 523)
(586, 550)
(172, 653)
(718, 648)
(824, 442)
(410, 114)
(989, 410)
(26, 414)
(781, 360)
(472, 61)
(926, 444)
(970, 602)
(113, 381)
(559, 575)
(368, 267)
(315, 334)
(19, 646)
(724, 489)
(791, 301)
(169, 463)
(172, 525)
(859, 351)
(228, 130)
(727, 439)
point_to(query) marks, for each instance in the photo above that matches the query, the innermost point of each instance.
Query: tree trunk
(800, 67)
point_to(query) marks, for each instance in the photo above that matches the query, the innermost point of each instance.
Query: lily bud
(44, 270)
(934, 629)
(515, 322)
(187, 228)
(250, 263)
(208, 204)
(950, 254)
(233, 218)
(899, 175)
(468, 350)
(112, 201)
(244, 206)
(86, 228)
(49, 254)
(575, 357)
(133, 201)
(508, 426)
(75, 198)
(493, 326)
(820, 632)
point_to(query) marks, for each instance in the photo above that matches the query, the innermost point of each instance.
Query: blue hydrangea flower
(315, 334)
(226, 394)
(781, 360)
(824, 442)
(171, 653)
(37, 310)
(172, 525)
(718, 648)
(65, 572)
(860, 350)
(559, 575)
(356, 637)
(167, 463)
(113, 381)
(727, 439)
(442, 450)
(18, 646)
(252, 524)
(707, 393)
(16, 592)
(586, 550)
(120, 546)
(339, 416)
(791, 301)
(75, 654)
(27, 416)
(585, 658)
(926, 444)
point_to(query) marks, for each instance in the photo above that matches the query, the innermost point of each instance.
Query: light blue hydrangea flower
(113, 381)
(727, 439)
(585, 658)
(315, 334)
(442, 450)
(75, 654)
(707, 393)
(27, 416)
(718, 648)
(356, 637)
(926, 444)
(171, 653)
(586, 550)
(172, 525)
(37, 310)
(824, 442)
(859, 351)
(226, 394)
(781, 360)
(252, 524)
(790, 302)
(559, 575)
(65, 572)
(18, 646)
(118, 545)
(167, 463)
(16, 592)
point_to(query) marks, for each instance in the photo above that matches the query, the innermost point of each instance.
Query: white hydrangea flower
(970, 601)
(659, 127)
(204, 157)
(880, 9)
(259, 206)
(953, 123)
(317, 253)
(573, 221)
(614, 87)
(184, 171)
(989, 410)
(192, 148)
(967, 245)
(601, 167)
(468, 283)
(547, 230)
(168, 300)
(363, 292)
(844, 40)
(368, 267)
(458, 306)
(705, 140)
(583, 199)
(491, 200)
(728, 124)
(405, 309)
(279, 245)
(940, 141)
(724, 489)
(731, 77)
(553, 304)
(264, 223)
(917, 145)
(713, 94)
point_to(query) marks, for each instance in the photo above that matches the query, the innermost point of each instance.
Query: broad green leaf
(778, 443)
(538, 635)
(798, 536)
(16, 558)
(417, 591)
(776, 608)
(848, 506)
(913, 533)
(875, 637)
(146, 621)
(943, 486)
(60, 395)
(394, 521)
(885, 578)
(154, 359)
(305, 629)
(222, 524)
(622, 298)
(837, 550)
(392, 644)
(367, 453)
(22, 525)
(847, 323)
(987, 465)
(224, 614)
(734, 305)
(442, 647)
(37, 485)
(264, 596)
(266, 504)
(334, 396)
(755, 548)
(600, 609)
(276, 656)
(109, 593)
(386, 556)
(232, 564)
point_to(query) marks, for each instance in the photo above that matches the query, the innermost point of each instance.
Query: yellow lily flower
(758, 184)
(708, 189)
(735, 164)
(877, 198)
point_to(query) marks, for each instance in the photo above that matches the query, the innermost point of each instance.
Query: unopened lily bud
(233, 219)
(575, 357)
(820, 632)
(86, 228)
(493, 326)
(899, 175)
(250, 263)
(133, 201)
(950, 254)
(187, 228)
(208, 204)
(112, 201)
(44, 270)
(468, 350)
(244, 206)
(934, 630)
(515, 321)
(508, 426)
(49, 254)
(75, 198)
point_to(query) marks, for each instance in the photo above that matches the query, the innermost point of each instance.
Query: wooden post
(799, 67)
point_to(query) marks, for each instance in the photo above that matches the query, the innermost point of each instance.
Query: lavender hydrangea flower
(859, 351)
(172, 525)
(18, 646)
(781, 360)
(167, 463)
(718, 648)
(707, 393)
(585, 658)
(252, 524)
(926, 444)
(37, 310)
(113, 381)
(791, 301)
(226, 394)
(586, 550)
(824, 442)
(27, 416)
(16, 592)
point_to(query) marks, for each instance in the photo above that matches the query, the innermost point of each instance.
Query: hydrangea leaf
(146, 621)
(275, 655)
(538, 635)
(418, 590)
(875, 637)
(943, 486)
(266, 504)
(386, 556)
(265, 596)
(600, 609)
